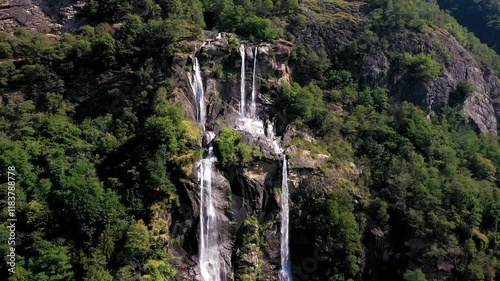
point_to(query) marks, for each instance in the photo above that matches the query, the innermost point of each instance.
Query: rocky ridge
(252, 191)
(43, 16)
(377, 69)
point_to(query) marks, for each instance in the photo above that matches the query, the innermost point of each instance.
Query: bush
(414, 275)
(230, 150)
(462, 92)
(5, 51)
(261, 29)
(421, 66)
(465, 88)
(299, 102)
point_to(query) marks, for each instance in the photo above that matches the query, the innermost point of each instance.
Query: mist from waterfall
(242, 84)
(253, 106)
(285, 274)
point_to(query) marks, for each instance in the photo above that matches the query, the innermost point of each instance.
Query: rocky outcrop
(329, 25)
(23, 13)
(376, 68)
(43, 16)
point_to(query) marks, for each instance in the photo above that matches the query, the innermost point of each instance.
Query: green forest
(100, 147)
(481, 17)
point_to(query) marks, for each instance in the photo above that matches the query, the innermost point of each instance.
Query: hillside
(266, 140)
(480, 17)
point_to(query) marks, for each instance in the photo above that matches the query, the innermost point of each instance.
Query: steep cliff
(151, 149)
(45, 16)
(377, 67)
(252, 188)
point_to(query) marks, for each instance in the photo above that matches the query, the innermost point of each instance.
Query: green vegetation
(88, 173)
(103, 154)
(257, 20)
(481, 17)
(248, 251)
(414, 275)
(420, 66)
(436, 182)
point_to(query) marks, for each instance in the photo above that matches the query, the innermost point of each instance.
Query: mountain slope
(387, 113)
(480, 17)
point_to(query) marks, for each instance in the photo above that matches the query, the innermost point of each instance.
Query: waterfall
(211, 265)
(254, 84)
(242, 84)
(430, 101)
(197, 86)
(285, 274)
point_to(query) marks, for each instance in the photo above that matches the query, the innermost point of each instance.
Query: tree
(95, 268)
(81, 205)
(51, 263)
(420, 66)
(414, 275)
(137, 240)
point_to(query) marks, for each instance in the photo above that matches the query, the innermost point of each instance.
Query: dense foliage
(481, 17)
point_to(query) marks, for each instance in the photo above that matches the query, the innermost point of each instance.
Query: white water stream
(212, 266)
(285, 273)
(197, 86)
(242, 83)
(253, 106)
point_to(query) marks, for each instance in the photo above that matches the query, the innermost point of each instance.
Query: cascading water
(285, 252)
(285, 272)
(253, 106)
(242, 84)
(211, 265)
(197, 86)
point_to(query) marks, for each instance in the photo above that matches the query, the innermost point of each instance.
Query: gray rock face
(23, 13)
(458, 65)
(41, 16)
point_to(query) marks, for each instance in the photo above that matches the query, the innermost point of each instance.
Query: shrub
(5, 51)
(421, 66)
(261, 28)
(218, 71)
(465, 88)
(229, 149)
(414, 275)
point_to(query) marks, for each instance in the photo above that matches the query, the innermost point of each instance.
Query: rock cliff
(376, 68)
(44, 16)
(252, 190)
